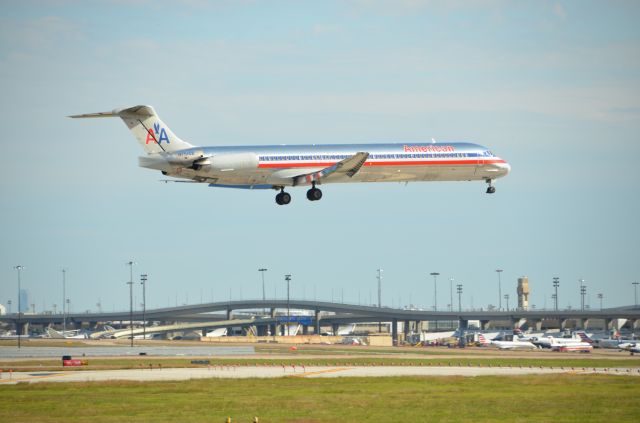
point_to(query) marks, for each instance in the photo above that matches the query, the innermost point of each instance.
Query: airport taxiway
(96, 350)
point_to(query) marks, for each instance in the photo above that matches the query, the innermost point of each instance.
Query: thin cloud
(558, 10)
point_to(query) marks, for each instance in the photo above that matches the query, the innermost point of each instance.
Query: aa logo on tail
(157, 134)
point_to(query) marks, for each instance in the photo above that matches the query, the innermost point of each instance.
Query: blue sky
(551, 86)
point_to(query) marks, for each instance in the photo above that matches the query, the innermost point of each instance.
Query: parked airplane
(632, 347)
(609, 343)
(510, 342)
(70, 334)
(279, 166)
(346, 330)
(549, 341)
(573, 345)
(626, 344)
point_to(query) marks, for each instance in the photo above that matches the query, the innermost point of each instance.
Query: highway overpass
(339, 314)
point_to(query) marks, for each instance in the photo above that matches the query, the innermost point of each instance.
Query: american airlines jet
(280, 166)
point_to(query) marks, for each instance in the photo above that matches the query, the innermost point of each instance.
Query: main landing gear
(283, 198)
(314, 194)
(490, 189)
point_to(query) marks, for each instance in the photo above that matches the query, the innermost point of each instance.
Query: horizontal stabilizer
(95, 115)
(127, 111)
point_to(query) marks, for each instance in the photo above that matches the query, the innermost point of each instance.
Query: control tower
(523, 293)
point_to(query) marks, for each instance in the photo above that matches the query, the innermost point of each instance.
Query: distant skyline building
(24, 300)
(523, 293)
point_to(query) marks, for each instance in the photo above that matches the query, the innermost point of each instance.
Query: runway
(245, 372)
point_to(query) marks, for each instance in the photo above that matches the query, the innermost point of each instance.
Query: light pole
(459, 286)
(143, 282)
(130, 263)
(288, 279)
(379, 277)
(19, 268)
(264, 295)
(435, 293)
(506, 297)
(451, 294)
(9, 302)
(435, 290)
(499, 271)
(583, 292)
(64, 301)
(262, 270)
(635, 293)
(600, 296)
(379, 296)
(556, 284)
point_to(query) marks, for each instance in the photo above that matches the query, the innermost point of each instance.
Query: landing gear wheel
(490, 189)
(283, 198)
(314, 194)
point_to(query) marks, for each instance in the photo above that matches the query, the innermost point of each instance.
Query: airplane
(346, 330)
(70, 334)
(632, 347)
(280, 166)
(626, 345)
(509, 344)
(609, 343)
(549, 341)
(569, 345)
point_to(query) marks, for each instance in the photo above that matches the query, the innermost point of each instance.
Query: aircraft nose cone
(505, 167)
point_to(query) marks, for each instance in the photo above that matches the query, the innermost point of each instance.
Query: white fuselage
(512, 345)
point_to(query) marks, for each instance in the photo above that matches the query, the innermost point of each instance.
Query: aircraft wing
(347, 167)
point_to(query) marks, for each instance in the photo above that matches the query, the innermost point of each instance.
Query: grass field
(584, 361)
(564, 398)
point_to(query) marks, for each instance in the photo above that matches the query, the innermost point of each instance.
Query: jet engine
(198, 161)
(187, 158)
(231, 161)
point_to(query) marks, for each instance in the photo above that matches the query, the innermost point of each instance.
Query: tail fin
(152, 134)
(54, 334)
(584, 337)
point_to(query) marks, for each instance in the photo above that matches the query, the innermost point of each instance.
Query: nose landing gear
(490, 189)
